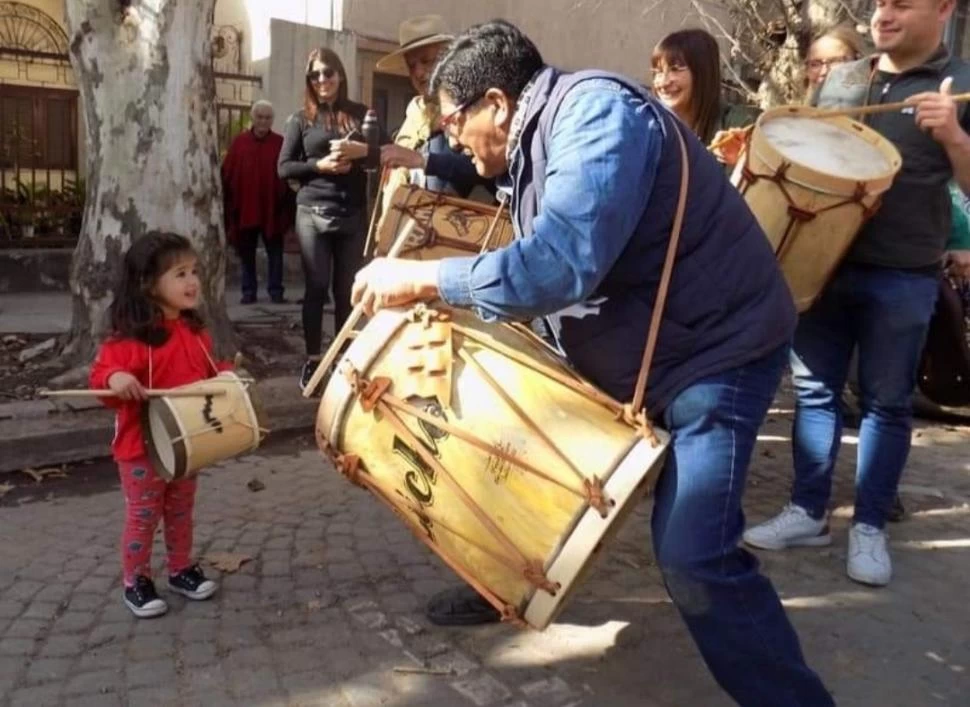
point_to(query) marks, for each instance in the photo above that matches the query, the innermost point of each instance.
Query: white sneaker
(793, 527)
(868, 561)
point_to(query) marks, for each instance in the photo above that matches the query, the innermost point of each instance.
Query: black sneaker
(192, 583)
(307, 373)
(248, 299)
(143, 600)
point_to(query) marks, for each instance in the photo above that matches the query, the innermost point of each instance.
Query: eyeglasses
(320, 75)
(450, 119)
(816, 64)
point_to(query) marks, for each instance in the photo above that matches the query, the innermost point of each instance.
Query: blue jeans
(886, 313)
(731, 610)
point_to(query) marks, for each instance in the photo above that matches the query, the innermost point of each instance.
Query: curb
(40, 433)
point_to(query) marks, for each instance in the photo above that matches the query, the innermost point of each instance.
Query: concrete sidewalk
(50, 312)
(329, 610)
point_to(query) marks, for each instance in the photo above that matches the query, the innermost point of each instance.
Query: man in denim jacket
(593, 167)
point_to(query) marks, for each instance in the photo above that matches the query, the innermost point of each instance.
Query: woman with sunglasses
(323, 150)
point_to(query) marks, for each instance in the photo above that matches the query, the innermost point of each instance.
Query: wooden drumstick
(150, 392)
(877, 108)
(491, 229)
(369, 242)
(347, 329)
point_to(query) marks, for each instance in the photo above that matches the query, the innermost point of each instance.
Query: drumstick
(730, 134)
(491, 229)
(878, 108)
(373, 214)
(150, 392)
(347, 329)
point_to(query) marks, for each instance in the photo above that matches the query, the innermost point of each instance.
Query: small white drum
(495, 453)
(186, 433)
(812, 182)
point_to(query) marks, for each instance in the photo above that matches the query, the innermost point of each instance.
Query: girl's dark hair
(134, 314)
(338, 120)
(698, 51)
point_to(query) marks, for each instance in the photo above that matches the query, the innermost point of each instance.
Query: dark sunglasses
(320, 75)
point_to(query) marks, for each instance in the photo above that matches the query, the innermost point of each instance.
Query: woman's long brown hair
(698, 51)
(338, 118)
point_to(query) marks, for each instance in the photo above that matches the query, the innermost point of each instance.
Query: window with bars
(38, 128)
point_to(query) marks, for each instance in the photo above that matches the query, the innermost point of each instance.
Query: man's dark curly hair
(493, 54)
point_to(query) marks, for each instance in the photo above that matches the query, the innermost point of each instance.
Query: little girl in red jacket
(156, 340)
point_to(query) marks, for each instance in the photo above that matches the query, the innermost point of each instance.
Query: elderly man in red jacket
(258, 204)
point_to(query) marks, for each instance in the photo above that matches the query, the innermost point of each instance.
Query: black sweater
(305, 143)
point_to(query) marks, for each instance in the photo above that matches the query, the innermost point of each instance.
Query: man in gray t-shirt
(882, 297)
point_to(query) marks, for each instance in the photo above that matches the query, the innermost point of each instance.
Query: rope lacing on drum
(348, 465)
(421, 313)
(639, 421)
(798, 215)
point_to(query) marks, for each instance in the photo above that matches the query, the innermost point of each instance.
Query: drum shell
(184, 434)
(811, 217)
(553, 527)
(446, 226)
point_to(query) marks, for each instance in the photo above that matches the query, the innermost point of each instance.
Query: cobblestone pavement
(331, 603)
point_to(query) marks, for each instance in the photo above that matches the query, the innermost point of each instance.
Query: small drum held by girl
(156, 339)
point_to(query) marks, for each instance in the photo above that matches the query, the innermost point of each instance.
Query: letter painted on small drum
(207, 415)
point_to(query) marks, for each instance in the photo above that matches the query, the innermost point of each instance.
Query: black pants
(246, 247)
(332, 248)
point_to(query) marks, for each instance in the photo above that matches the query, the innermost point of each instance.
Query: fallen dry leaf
(226, 561)
(39, 475)
(255, 485)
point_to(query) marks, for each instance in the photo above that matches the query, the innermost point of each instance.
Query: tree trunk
(147, 89)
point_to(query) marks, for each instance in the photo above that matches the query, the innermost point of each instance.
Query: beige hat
(414, 33)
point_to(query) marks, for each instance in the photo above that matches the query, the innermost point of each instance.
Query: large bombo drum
(508, 465)
(812, 183)
(440, 226)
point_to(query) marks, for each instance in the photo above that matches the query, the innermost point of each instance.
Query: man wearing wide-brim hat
(420, 150)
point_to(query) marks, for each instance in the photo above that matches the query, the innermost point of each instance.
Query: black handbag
(944, 370)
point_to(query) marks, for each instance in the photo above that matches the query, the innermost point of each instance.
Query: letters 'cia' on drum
(812, 183)
(187, 433)
(445, 226)
(508, 465)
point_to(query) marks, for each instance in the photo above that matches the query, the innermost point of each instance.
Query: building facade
(259, 50)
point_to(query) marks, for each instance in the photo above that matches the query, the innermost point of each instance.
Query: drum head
(159, 428)
(826, 146)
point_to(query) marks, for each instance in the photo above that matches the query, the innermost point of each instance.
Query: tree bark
(147, 90)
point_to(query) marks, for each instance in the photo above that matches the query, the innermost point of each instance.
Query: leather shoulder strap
(640, 390)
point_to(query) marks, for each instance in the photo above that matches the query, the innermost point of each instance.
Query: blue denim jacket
(594, 190)
(602, 163)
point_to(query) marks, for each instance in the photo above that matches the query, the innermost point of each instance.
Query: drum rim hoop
(166, 415)
(772, 156)
(363, 352)
(591, 530)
